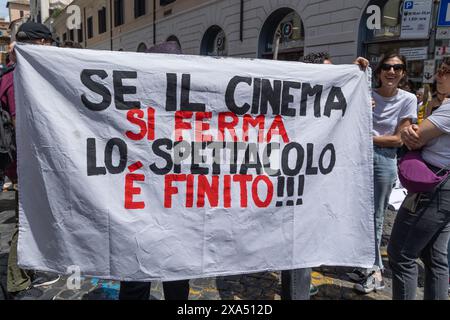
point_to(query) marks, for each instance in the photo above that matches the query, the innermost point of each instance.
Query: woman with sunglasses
(422, 226)
(394, 110)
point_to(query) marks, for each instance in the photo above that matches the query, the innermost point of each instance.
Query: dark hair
(383, 59)
(166, 47)
(316, 57)
(71, 44)
(446, 60)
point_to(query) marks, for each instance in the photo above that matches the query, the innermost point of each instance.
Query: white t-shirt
(389, 112)
(437, 151)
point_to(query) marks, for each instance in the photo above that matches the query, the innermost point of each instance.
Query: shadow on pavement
(7, 204)
(261, 286)
(326, 291)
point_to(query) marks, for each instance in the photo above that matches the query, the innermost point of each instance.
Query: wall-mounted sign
(411, 54)
(428, 71)
(287, 29)
(444, 14)
(416, 19)
(443, 33)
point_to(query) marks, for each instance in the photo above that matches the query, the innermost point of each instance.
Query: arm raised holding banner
(394, 110)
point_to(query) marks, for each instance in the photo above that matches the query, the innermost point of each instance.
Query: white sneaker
(373, 282)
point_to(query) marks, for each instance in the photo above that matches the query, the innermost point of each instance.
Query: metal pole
(111, 24)
(241, 23)
(85, 28)
(277, 44)
(434, 21)
(154, 22)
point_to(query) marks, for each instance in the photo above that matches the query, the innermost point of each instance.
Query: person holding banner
(395, 109)
(422, 226)
(173, 290)
(23, 284)
(296, 284)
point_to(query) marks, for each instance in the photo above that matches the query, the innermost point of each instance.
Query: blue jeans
(385, 175)
(295, 284)
(421, 230)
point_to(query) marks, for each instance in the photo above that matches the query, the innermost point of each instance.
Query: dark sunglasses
(396, 67)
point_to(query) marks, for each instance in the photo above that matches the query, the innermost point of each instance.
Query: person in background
(22, 284)
(407, 86)
(420, 94)
(317, 58)
(435, 99)
(395, 109)
(71, 44)
(422, 226)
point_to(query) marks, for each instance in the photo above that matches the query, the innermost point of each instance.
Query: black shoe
(357, 275)
(27, 294)
(41, 279)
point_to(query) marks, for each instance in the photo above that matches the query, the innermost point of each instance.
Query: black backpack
(7, 133)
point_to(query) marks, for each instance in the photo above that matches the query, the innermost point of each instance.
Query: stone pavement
(332, 281)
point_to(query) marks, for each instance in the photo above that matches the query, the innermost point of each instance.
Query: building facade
(41, 10)
(4, 40)
(19, 12)
(287, 29)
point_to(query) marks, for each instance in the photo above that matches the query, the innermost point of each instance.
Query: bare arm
(415, 137)
(393, 141)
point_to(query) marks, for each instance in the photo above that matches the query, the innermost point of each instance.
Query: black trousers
(173, 290)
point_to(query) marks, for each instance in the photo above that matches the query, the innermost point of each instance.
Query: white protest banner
(139, 166)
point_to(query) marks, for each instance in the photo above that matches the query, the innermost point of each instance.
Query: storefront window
(142, 47)
(282, 35)
(214, 42)
(390, 20)
(387, 39)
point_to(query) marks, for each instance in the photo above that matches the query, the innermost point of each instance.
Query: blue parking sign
(444, 14)
(409, 5)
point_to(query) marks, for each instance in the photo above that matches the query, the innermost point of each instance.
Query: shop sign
(411, 54)
(416, 19)
(428, 71)
(287, 29)
(444, 14)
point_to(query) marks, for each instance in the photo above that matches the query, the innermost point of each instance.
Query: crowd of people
(401, 120)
